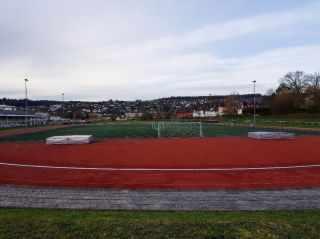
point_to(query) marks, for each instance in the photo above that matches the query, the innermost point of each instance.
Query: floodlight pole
(254, 102)
(62, 108)
(210, 107)
(26, 93)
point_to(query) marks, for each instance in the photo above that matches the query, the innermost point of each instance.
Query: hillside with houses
(13, 112)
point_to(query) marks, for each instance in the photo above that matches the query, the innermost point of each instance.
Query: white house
(203, 114)
(133, 115)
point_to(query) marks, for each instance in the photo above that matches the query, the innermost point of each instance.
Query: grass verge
(39, 223)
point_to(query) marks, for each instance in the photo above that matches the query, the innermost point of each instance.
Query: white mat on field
(271, 135)
(70, 139)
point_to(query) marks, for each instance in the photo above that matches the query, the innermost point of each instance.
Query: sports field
(129, 155)
(128, 167)
(135, 130)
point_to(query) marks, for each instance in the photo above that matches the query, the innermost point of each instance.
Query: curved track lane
(208, 163)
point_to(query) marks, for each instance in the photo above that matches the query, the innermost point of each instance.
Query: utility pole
(26, 93)
(254, 102)
(62, 108)
(210, 107)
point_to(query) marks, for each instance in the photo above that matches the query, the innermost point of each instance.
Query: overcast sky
(146, 49)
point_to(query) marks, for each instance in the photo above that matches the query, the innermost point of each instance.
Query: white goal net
(178, 129)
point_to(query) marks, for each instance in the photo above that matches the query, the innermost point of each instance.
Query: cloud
(84, 62)
(279, 21)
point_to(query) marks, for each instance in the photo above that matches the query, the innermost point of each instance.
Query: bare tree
(232, 103)
(286, 103)
(313, 81)
(269, 100)
(270, 92)
(293, 82)
(297, 92)
(313, 92)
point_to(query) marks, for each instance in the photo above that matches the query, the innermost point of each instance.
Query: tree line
(297, 92)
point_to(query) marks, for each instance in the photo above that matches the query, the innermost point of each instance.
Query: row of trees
(297, 92)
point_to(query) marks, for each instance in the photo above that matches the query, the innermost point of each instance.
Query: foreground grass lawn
(36, 223)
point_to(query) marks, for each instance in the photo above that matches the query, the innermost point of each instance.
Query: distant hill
(21, 102)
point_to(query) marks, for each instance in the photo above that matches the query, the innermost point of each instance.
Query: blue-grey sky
(146, 49)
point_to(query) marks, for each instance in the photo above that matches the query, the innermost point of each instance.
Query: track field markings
(161, 169)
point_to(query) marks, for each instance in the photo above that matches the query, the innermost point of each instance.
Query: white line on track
(160, 169)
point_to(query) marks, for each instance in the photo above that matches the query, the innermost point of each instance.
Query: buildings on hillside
(165, 108)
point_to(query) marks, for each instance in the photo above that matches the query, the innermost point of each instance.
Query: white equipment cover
(70, 139)
(271, 135)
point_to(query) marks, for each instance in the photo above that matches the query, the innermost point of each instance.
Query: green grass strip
(38, 223)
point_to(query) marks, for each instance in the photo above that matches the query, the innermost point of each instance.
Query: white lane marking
(161, 169)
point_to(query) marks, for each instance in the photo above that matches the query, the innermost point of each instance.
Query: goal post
(178, 129)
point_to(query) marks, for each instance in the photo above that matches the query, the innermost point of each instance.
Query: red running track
(198, 153)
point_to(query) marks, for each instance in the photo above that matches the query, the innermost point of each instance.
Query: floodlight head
(25, 80)
(254, 81)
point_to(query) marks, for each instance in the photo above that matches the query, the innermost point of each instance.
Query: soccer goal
(178, 129)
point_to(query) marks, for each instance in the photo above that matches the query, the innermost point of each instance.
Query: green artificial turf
(38, 223)
(135, 130)
(292, 120)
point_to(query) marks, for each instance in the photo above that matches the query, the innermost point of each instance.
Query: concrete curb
(159, 200)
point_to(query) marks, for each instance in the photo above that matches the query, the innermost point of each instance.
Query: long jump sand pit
(194, 163)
